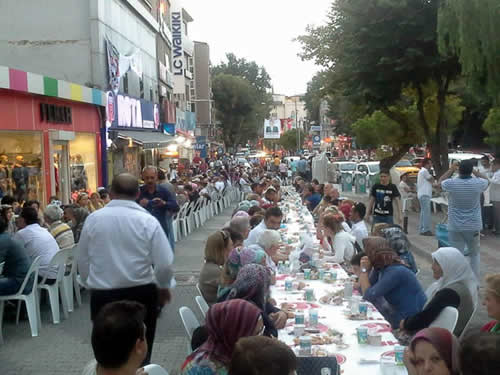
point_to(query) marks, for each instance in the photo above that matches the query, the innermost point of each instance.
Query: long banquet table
(375, 359)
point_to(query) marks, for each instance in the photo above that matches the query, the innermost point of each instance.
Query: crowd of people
(125, 253)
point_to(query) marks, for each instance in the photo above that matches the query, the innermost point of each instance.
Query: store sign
(316, 140)
(177, 50)
(315, 128)
(272, 129)
(130, 112)
(55, 113)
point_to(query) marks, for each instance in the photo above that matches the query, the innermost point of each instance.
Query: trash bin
(347, 182)
(360, 183)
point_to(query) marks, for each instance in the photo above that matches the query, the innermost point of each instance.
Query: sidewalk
(65, 348)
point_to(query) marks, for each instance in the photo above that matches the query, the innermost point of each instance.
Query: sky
(262, 31)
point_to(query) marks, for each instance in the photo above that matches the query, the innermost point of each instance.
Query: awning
(147, 139)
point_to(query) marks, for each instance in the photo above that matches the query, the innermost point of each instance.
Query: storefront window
(83, 163)
(21, 166)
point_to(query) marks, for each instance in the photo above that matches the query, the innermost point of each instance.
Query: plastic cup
(313, 317)
(299, 329)
(363, 308)
(305, 345)
(309, 294)
(399, 354)
(348, 290)
(362, 333)
(300, 318)
(307, 273)
(288, 285)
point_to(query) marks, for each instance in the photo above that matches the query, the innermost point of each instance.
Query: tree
(492, 126)
(235, 101)
(260, 80)
(374, 50)
(314, 96)
(289, 141)
(470, 29)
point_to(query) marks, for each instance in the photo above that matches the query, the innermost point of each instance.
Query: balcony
(188, 74)
(166, 33)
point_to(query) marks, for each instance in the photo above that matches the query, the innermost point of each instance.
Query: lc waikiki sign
(178, 50)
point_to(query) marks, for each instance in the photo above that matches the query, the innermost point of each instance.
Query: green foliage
(288, 140)
(235, 101)
(471, 29)
(374, 51)
(492, 126)
(261, 100)
(314, 96)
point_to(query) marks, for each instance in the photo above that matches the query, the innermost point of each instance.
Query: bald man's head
(125, 186)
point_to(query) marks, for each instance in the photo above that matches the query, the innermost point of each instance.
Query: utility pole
(297, 127)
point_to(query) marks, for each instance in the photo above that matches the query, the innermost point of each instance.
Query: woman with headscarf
(433, 351)
(235, 261)
(390, 279)
(75, 217)
(217, 249)
(226, 323)
(252, 284)
(398, 241)
(455, 286)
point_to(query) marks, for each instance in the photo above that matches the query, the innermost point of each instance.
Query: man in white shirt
(38, 242)
(219, 184)
(424, 193)
(119, 246)
(495, 195)
(359, 229)
(272, 220)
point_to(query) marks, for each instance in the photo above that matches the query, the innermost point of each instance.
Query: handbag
(317, 366)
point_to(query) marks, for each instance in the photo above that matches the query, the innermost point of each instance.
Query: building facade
(290, 110)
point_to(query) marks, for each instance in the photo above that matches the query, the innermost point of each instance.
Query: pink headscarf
(444, 342)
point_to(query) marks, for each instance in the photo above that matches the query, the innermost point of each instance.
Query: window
(21, 173)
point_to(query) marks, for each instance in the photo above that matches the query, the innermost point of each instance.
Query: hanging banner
(113, 66)
(178, 63)
(271, 129)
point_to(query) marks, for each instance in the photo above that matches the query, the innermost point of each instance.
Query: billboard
(272, 129)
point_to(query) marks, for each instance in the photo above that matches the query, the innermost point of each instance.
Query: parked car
(458, 157)
(405, 166)
(369, 168)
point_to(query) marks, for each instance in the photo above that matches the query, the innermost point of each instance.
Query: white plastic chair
(446, 319)
(198, 289)
(189, 320)
(59, 260)
(469, 321)
(70, 279)
(202, 304)
(30, 299)
(155, 370)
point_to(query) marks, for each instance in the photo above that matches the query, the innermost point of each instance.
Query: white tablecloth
(331, 316)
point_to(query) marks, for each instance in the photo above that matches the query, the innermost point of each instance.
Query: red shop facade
(48, 147)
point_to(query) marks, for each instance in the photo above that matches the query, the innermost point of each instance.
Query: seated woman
(263, 356)
(390, 279)
(398, 241)
(492, 303)
(226, 323)
(479, 354)
(456, 286)
(217, 249)
(252, 284)
(342, 242)
(236, 259)
(433, 351)
(270, 242)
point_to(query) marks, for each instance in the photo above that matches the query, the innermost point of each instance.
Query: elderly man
(270, 241)
(61, 231)
(124, 254)
(158, 201)
(240, 224)
(272, 220)
(37, 241)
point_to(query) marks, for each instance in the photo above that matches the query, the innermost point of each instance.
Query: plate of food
(378, 327)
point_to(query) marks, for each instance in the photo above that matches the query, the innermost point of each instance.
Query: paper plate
(378, 327)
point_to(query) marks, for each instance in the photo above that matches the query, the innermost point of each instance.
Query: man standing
(272, 220)
(424, 194)
(384, 200)
(464, 209)
(495, 195)
(302, 167)
(119, 246)
(359, 229)
(158, 201)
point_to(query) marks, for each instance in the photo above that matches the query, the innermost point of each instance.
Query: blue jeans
(9, 286)
(169, 230)
(425, 214)
(383, 219)
(468, 243)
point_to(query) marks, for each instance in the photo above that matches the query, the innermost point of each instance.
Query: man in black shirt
(385, 201)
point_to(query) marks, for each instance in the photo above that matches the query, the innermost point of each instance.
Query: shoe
(428, 234)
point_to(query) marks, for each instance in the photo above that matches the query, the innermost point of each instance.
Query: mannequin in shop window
(4, 175)
(20, 176)
(79, 179)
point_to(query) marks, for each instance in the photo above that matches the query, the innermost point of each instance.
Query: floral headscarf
(252, 284)
(444, 342)
(398, 241)
(226, 323)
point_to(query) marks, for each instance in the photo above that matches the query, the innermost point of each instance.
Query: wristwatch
(364, 270)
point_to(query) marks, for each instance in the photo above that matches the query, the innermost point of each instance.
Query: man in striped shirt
(464, 209)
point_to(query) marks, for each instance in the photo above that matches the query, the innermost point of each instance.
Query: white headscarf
(455, 269)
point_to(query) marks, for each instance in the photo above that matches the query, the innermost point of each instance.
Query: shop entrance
(61, 182)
